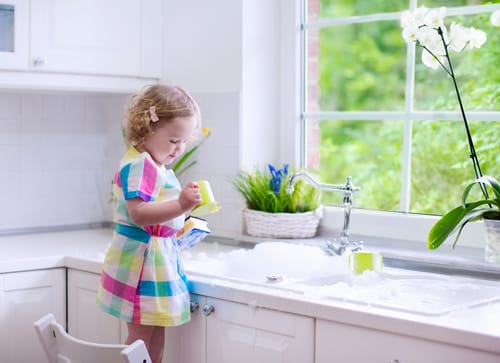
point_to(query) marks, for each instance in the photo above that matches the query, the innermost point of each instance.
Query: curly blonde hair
(168, 102)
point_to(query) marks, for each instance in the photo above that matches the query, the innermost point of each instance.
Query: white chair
(60, 347)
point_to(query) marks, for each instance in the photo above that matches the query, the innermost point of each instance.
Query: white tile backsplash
(54, 155)
(59, 153)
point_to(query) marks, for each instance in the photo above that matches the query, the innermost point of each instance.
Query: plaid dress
(142, 279)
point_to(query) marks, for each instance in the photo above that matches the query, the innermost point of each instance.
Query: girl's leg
(153, 337)
(157, 344)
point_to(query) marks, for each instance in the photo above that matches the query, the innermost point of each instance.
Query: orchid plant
(426, 28)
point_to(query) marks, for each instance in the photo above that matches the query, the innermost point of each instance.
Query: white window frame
(399, 229)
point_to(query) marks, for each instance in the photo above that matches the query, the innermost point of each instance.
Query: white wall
(218, 159)
(259, 138)
(202, 44)
(67, 145)
(227, 53)
(56, 152)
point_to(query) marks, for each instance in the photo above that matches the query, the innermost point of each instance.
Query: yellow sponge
(194, 231)
(360, 261)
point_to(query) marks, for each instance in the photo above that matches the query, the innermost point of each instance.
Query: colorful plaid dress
(142, 279)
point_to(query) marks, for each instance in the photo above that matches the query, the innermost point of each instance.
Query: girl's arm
(148, 213)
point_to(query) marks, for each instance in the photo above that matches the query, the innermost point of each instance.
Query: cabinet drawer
(352, 344)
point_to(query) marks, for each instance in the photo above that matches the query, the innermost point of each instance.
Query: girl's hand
(190, 196)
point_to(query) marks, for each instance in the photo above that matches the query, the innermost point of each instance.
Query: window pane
(337, 8)
(441, 166)
(359, 64)
(361, 67)
(370, 152)
(6, 28)
(476, 71)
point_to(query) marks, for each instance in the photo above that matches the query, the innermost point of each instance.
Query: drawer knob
(208, 309)
(194, 306)
(38, 62)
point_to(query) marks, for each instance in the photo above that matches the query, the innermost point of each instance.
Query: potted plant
(271, 211)
(456, 219)
(426, 28)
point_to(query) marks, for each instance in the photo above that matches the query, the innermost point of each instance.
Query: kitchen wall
(229, 54)
(56, 152)
(59, 151)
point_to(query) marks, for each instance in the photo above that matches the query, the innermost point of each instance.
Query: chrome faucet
(334, 248)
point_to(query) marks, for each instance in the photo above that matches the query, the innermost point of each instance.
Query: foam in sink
(308, 270)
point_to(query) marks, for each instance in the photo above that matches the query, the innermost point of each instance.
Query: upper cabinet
(112, 45)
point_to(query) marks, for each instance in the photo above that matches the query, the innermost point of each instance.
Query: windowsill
(403, 238)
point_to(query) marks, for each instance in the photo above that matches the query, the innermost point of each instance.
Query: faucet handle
(357, 246)
(350, 186)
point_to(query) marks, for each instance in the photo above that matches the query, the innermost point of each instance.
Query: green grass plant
(255, 187)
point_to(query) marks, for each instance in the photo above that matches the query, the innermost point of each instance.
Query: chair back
(60, 347)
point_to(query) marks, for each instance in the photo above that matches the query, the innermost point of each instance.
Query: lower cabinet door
(85, 320)
(249, 334)
(186, 343)
(342, 343)
(24, 298)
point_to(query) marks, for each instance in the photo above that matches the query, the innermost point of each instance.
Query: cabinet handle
(38, 61)
(208, 309)
(193, 306)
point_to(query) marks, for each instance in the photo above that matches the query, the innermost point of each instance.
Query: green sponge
(360, 261)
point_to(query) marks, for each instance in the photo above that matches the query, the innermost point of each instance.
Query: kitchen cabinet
(187, 343)
(83, 44)
(226, 332)
(24, 298)
(248, 334)
(336, 342)
(85, 319)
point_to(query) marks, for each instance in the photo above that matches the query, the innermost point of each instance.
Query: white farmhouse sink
(308, 270)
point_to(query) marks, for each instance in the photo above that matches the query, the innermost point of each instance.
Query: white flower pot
(282, 225)
(492, 249)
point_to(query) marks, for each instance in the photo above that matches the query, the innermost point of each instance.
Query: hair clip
(153, 115)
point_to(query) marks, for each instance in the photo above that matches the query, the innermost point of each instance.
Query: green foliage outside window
(362, 67)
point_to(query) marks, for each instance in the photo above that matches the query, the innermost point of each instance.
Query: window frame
(372, 225)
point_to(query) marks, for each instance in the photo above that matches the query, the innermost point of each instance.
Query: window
(371, 110)
(6, 28)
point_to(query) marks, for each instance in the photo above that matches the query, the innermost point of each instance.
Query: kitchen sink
(309, 271)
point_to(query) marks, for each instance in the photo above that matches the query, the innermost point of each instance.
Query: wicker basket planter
(282, 225)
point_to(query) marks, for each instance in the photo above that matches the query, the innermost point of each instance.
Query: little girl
(142, 281)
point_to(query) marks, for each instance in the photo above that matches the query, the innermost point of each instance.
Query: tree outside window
(374, 112)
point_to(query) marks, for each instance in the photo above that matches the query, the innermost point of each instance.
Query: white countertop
(477, 328)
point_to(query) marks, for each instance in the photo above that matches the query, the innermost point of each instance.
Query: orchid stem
(475, 161)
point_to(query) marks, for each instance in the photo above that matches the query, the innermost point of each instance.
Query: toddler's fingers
(192, 184)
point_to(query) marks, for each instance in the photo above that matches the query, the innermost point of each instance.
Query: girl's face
(169, 138)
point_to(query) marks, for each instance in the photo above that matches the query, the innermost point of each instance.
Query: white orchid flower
(406, 19)
(413, 18)
(435, 17)
(476, 38)
(419, 15)
(410, 33)
(459, 37)
(495, 18)
(429, 38)
(430, 61)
